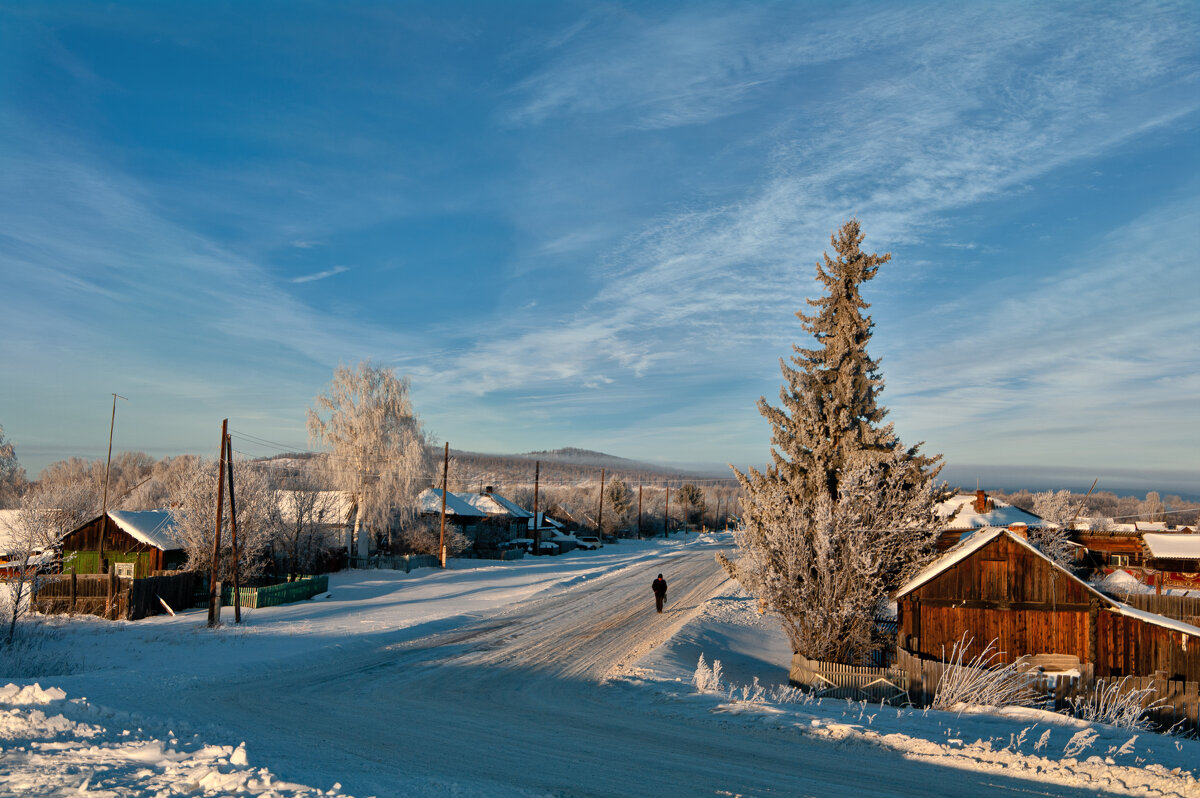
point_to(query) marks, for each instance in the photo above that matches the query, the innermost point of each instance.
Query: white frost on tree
(12, 476)
(1059, 509)
(846, 511)
(194, 507)
(380, 450)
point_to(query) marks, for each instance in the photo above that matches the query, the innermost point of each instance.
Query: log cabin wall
(80, 546)
(1010, 594)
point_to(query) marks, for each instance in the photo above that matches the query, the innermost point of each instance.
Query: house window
(124, 570)
(1119, 560)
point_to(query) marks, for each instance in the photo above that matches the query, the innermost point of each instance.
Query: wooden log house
(994, 585)
(135, 544)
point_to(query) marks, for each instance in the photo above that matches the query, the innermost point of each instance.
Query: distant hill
(568, 465)
(587, 457)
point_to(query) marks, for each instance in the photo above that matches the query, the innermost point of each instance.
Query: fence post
(74, 590)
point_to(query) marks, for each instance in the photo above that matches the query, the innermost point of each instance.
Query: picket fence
(301, 589)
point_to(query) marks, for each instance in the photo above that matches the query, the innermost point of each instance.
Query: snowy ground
(548, 676)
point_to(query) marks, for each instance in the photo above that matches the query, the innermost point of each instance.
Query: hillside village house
(133, 544)
(995, 585)
(499, 509)
(967, 512)
(1155, 554)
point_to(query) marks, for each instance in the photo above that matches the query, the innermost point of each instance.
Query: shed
(994, 585)
(135, 544)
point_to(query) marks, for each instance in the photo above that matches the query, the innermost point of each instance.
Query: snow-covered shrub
(706, 679)
(1113, 703)
(983, 682)
(32, 653)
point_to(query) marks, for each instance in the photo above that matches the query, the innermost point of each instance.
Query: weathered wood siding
(1131, 647)
(81, 545)
(1003, 592)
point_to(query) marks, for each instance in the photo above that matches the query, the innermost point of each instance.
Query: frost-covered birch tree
(845, 511)
(380, 450)
(194, 506)
(12, 476)
(1058, 509)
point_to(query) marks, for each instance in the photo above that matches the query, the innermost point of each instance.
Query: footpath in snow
(64, 729)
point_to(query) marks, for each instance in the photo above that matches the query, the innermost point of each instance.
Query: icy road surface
(491, 684)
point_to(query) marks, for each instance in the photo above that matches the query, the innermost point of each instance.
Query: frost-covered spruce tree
(845, 511)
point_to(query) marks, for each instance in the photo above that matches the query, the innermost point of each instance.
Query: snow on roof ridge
(1173, 545)
(152, 527)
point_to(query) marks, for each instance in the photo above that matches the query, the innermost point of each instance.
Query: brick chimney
(981, 501)
(1020, 530)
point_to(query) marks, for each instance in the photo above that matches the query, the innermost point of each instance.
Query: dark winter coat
(659, 586)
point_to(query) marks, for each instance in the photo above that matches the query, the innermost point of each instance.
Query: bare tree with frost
(308, 518)
(47, 512)
(12, 476)
(845, 511)
(194, 504)
(1059, 509)
(380, 450)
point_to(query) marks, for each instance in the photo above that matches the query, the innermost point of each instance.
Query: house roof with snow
(1173, 547)
(333, 507)
(495, 504)
(430, 502)
(153, 527)
(544, 522)
(9, 534)
(977, 540)
(962, 512)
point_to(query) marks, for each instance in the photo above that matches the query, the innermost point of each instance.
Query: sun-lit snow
(547, 675)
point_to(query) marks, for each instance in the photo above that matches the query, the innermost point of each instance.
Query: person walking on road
(659, 586)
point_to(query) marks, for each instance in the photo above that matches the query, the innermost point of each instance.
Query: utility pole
(639, 511)
(445, 479)
(600, 513)
(104, 507)
(237, 596)
(214, 595)
(667, 513)
(537, 527)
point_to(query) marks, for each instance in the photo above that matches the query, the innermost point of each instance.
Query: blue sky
(589, 224)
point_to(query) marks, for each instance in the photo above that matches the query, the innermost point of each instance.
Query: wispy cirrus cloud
(954, 108)
(308, 278)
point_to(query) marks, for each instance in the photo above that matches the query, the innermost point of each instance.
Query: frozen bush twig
(1113, 703)
(706, 679)
(982, 682)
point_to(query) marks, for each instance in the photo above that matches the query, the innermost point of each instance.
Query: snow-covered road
(531, 680)
(516, 703)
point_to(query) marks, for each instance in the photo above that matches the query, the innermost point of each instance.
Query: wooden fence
(1179, 706)
(109, 596)
(834, 680)
(274, 595)
(398, 562)
(1174, 704)
(1181, 608)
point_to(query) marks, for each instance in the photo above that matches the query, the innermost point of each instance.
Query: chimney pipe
(981, 501)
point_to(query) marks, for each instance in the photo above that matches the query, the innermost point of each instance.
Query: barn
(134, 544)
(994, 585)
